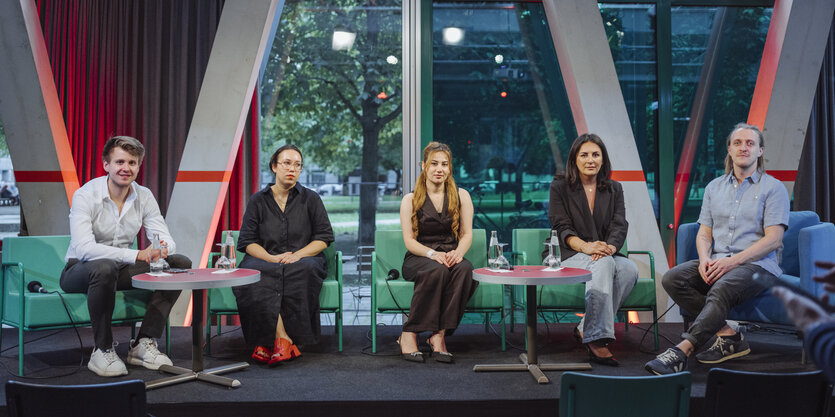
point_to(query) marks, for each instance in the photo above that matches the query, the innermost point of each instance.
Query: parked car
(329, 189)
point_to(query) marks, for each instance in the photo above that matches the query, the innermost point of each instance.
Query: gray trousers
(101, 278)
(710, 304)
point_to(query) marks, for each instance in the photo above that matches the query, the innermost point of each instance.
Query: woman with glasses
(284, 230)
(437, 224)
(588, 213)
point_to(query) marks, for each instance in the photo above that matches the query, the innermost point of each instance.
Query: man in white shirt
(106, 215)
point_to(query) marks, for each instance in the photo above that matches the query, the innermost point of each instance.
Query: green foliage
(326, 101)
(4, 148)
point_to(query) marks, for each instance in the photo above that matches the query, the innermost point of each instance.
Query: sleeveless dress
(441, 293)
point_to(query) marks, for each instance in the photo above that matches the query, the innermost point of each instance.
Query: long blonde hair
(419, 196)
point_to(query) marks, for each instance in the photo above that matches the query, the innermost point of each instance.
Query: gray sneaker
(723, 349)
(671, 361)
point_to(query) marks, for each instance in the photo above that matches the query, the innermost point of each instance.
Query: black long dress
(289, 289)
(441, 293)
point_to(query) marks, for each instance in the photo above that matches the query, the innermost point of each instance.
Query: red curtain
(135, 67)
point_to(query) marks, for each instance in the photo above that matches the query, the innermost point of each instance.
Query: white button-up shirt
(99, 231)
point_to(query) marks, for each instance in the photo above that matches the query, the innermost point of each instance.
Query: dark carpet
(354, 382)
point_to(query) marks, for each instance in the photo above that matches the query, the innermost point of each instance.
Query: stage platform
(324, 382)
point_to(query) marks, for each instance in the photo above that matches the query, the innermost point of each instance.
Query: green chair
(221, 301)
(624, 396)
(528, 247)
(395, 296)
(41, 258)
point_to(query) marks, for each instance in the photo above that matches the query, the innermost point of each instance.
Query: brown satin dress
(441, 293)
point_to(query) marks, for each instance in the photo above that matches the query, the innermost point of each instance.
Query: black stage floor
(326, 382)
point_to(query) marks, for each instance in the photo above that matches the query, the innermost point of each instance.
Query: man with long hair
(744, 215)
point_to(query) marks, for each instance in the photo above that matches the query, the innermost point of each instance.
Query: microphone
(393, 274)
(35, 286)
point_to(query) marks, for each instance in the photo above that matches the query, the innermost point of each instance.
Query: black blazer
(570, 215)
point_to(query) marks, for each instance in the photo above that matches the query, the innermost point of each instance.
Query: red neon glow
(503, 94)
(783, 175)
(39, 176)
(624, 176)
(203, 176)
(54, 113)
(768, 65)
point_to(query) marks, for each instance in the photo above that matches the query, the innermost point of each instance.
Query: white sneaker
(146, 354)
(106, 363)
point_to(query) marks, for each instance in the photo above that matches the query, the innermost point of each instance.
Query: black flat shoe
(608, 361)
(577, 335)
(413, 357)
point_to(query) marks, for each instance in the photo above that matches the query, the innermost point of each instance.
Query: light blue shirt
(738, 214)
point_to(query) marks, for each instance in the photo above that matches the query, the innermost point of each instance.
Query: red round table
(197, 280)
(530, 276)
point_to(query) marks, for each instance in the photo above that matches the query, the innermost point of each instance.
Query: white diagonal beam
(788, 79)
(598, 107)
(216, 128)
(33, 121)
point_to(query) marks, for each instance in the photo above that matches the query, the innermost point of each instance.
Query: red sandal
(261, 354)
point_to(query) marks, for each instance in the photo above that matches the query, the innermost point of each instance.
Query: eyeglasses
(287, 164)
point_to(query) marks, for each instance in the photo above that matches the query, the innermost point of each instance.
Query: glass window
(733, 38)
(630, 29)
(9, 195)
(332, 86)
(501, 106)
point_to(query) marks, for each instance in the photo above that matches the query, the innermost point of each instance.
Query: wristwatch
(431, 253)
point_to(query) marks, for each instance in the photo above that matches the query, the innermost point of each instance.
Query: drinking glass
(501, 261)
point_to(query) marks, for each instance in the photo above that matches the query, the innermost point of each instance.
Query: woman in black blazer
(587, 211)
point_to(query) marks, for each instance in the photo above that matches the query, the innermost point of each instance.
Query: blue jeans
(612, 279)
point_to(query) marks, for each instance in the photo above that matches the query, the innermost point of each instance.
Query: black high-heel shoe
(577, 335)
(608, 361)
(443, 357)
(416, 356)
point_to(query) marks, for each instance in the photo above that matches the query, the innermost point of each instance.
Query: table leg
(197, 329)
(196, 372)
(530, 361)
(530, 309)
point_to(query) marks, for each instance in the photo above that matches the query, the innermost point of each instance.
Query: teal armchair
(396, 295)
(528, 247)
(41, 258)
(221, 301)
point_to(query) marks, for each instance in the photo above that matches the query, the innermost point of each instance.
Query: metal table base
(208, 375)
(197, 373)
(529, 360)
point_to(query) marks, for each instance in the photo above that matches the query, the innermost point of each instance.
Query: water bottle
(555, 248)
(156, 252)
(230, 250)
(493, 250)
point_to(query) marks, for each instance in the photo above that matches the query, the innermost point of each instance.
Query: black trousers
(710, 303)
(291, 290)
(441, 293)
(101, 278)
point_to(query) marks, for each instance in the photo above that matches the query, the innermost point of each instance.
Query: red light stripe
(783, 175)
(203, 176)
(622, 176)
(39, 176)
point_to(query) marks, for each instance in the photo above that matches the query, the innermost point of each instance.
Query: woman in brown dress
(437, 224)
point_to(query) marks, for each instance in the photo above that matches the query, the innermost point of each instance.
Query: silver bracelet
(431, 253)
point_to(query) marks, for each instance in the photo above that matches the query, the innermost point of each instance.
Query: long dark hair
(572, 173)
